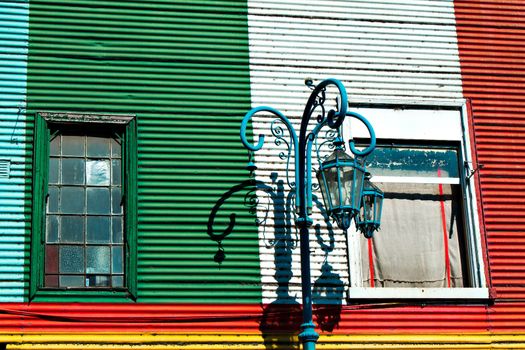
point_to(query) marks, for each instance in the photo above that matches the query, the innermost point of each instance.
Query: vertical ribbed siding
(490, 39)
(13, 148)
(182, 68)
(381, 50)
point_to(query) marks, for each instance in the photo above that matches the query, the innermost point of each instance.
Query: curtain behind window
(413, 248)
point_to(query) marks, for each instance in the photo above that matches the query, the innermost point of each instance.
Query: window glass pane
(72, 200)
(73, 145)
(97, 281)
(98, 200)
(51, 281)
(72, 229)
(118, 281)
(51, 259)
(116, 199)
(117, 265)
(97, 172)
(98, 229)
(97, 147)
(413, 161)
(73, 171)
(52, 200)
(98, 259)
(52, 229)
(71, 281)
(54, 165)
(54, 147)
(71, 259)
(115, 172)
(117, 230)
(116, 148)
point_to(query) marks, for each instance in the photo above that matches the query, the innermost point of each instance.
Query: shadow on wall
(281, 319)
(328, 289)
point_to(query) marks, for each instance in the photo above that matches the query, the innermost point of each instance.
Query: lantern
(341, 179)
(369, 217)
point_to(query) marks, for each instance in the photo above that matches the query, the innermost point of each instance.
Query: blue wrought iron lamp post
(341, 178)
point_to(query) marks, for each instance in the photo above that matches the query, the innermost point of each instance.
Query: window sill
(419, 293)
(92, 295)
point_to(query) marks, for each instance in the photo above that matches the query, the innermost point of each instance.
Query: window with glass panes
(422, 238)
(429, 242)
(84, 217)
(83, 206)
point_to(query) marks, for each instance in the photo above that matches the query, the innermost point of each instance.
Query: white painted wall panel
(380, 50)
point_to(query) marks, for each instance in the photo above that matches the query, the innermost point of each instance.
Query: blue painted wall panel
(14, 220)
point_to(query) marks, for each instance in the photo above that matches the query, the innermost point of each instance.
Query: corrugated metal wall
(14, 161)
(490, 37)
(381, 50)
(182, 68)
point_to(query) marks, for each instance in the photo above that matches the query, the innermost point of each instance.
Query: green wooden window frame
(125, 125)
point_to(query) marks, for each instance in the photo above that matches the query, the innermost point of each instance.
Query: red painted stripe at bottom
(377, 318)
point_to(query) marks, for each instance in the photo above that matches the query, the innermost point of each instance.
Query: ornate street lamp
(369, 218)
(340, 176)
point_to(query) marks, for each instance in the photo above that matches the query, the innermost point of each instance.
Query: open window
(429, 243)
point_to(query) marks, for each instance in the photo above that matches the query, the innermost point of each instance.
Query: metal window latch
(470, 170)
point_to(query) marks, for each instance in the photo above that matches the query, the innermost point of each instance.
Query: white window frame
(427, 120)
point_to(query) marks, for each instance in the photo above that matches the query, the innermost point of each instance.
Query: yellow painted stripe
(92, 341)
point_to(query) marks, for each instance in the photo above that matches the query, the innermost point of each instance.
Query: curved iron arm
(334, 119)
(260, 142)
(372, 145)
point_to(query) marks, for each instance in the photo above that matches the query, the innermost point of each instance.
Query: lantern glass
(367, 208)
(341, 180)
(378, 207)
(369, 218)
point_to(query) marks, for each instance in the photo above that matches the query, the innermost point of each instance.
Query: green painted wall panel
(182, 67)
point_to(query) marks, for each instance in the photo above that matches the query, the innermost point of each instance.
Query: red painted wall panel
(245, 319)
(490, 38)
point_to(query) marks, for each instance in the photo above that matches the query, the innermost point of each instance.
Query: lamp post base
(308, 336)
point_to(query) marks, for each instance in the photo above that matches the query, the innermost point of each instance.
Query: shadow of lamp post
(341, 178)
